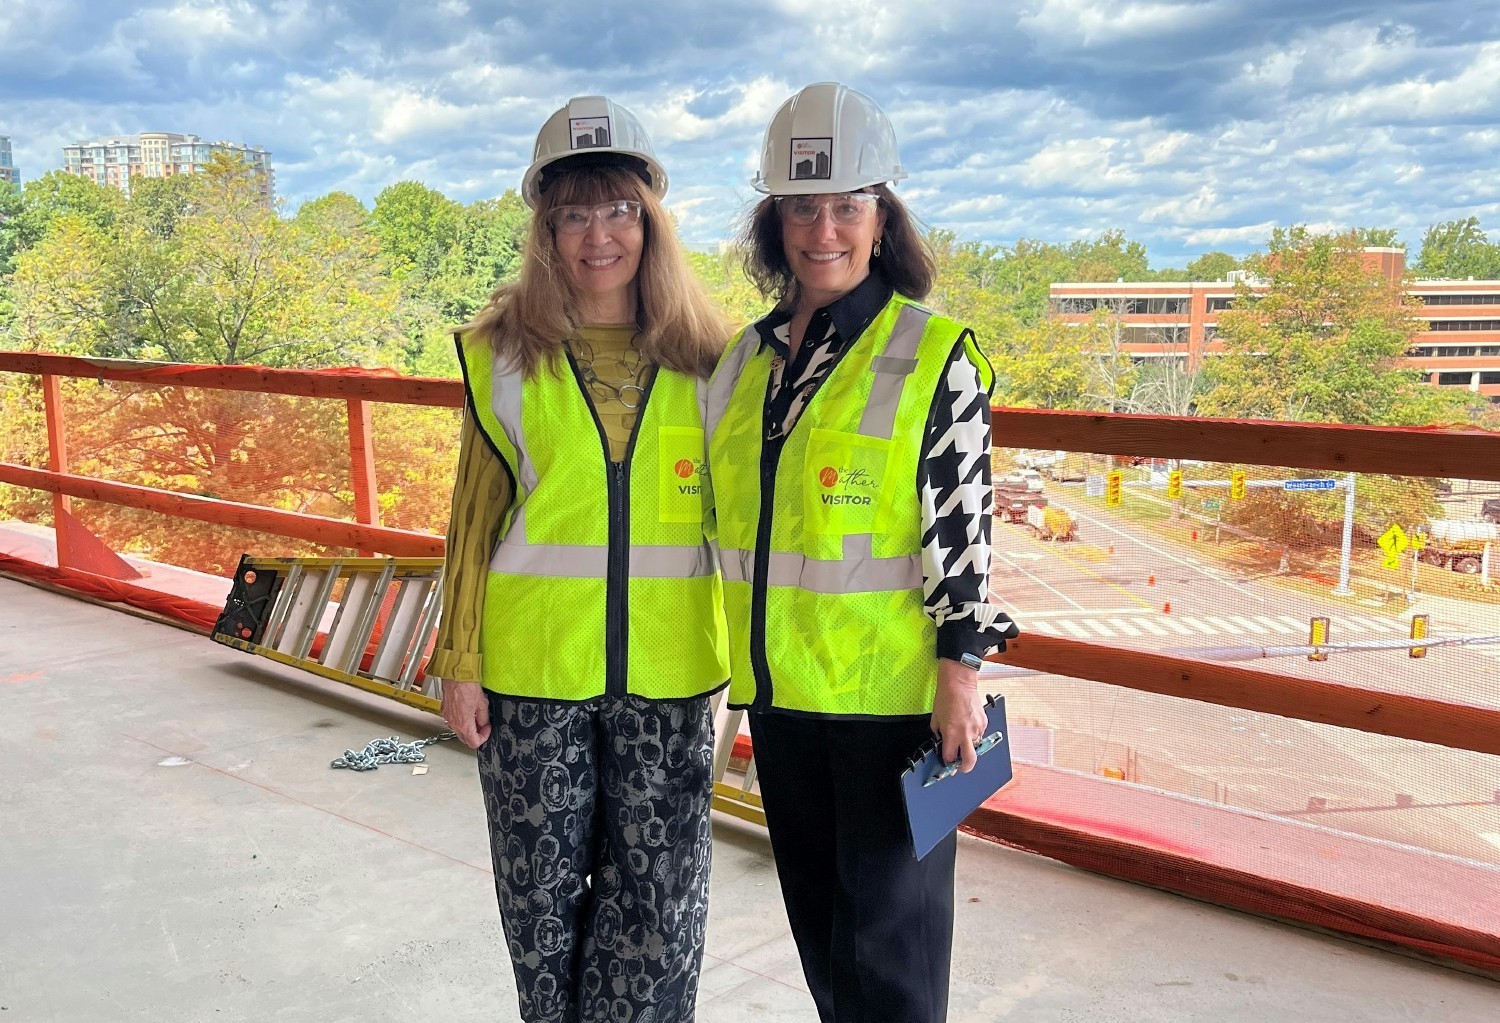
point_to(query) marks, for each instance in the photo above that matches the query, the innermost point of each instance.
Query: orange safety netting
(1382, 837)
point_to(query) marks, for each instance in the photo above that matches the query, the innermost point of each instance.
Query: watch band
(970, 661)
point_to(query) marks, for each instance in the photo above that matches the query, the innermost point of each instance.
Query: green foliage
(229, 282)
(723, 274)
(1378, 238)
(158, 203)
(1458, 249)
(1212, 266)
(416, 226)
(1324, 341)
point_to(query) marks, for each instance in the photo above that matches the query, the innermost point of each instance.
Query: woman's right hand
(467, 711)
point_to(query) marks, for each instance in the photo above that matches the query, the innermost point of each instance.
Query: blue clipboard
(938, 798)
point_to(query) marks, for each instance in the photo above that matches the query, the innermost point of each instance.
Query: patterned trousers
(601, 841)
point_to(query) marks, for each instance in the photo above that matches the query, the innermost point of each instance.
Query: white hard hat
(595, 130)
(828, 138)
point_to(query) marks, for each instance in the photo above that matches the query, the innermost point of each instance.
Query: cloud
(1184, 123)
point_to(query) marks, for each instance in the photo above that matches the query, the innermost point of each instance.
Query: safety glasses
(845, 209)
(616, 215)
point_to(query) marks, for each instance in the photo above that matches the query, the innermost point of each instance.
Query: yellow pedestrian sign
(1393, 541)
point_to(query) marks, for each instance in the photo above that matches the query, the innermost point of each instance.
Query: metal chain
(583, 354)
(388, 751)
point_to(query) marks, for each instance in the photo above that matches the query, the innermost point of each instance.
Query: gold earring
(876, 253)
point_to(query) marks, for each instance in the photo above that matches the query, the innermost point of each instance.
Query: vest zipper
(616, 594)
(617, 578)
(770, 458)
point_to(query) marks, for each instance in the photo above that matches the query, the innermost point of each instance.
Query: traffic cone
(1111, 548)
(1195, 534)
(1150, 580)
(1166, 608)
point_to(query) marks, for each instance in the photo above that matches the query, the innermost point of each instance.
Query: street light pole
(1342, 589)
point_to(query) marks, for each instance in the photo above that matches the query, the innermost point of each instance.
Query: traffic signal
(1418, 631)
(1174, 484)
(1114, 489)
(1317, 635)
(1237, 486)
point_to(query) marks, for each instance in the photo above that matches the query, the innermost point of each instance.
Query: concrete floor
(174, 847)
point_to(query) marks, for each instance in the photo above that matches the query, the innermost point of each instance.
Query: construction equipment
(366, 622)
(1459, 544)
(1051, 524)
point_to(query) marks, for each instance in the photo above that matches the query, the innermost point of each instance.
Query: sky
(1189, 125)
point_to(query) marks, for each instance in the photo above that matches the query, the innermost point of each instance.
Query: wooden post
(57, 457)
(362, 465)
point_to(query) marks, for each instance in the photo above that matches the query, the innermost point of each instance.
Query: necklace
(625, 368)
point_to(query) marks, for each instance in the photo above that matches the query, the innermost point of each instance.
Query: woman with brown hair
(577, 521)
(849, 447)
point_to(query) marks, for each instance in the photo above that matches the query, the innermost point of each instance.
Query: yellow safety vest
(820, 532)
(602, 581)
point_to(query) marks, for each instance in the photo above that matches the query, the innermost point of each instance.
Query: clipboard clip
(981, 747)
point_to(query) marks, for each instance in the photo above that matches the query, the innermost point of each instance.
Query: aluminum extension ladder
(291, 610)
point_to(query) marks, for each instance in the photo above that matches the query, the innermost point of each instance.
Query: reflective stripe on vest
(592, 552)
(823, 569)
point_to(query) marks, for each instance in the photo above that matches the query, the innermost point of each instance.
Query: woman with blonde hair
(577, 521)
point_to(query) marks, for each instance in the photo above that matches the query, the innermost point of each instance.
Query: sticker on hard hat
(589, 132)
(812, 158)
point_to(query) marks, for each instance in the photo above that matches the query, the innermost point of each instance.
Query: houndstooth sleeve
(957, 505)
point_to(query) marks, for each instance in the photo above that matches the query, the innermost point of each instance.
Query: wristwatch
(970, 661)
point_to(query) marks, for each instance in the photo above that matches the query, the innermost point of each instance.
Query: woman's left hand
(958, 716)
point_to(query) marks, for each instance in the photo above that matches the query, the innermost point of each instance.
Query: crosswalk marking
(1114, 626)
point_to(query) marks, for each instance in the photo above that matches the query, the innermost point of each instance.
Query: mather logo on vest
(845, 479)
(687, 468)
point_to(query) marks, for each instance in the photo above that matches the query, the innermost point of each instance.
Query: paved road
(1082, 591)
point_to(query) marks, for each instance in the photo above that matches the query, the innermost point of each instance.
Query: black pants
(873, 925)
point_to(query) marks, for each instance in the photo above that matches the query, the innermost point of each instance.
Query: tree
(1212, 266)
(57, 194)
(723, 274)
(1109, 257)
(485, 251)
(1045, 365)
(966, 288)
(416, 226)
(1323, 341)
(1377, 238)
(158, 203)
(1457, 249)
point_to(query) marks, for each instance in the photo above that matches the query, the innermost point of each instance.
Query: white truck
(1460, 544)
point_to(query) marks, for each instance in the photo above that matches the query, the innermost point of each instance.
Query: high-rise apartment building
(118, 160)
(8, 170)
(1460, 346)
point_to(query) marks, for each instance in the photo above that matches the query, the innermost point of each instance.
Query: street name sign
(1309, 484)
